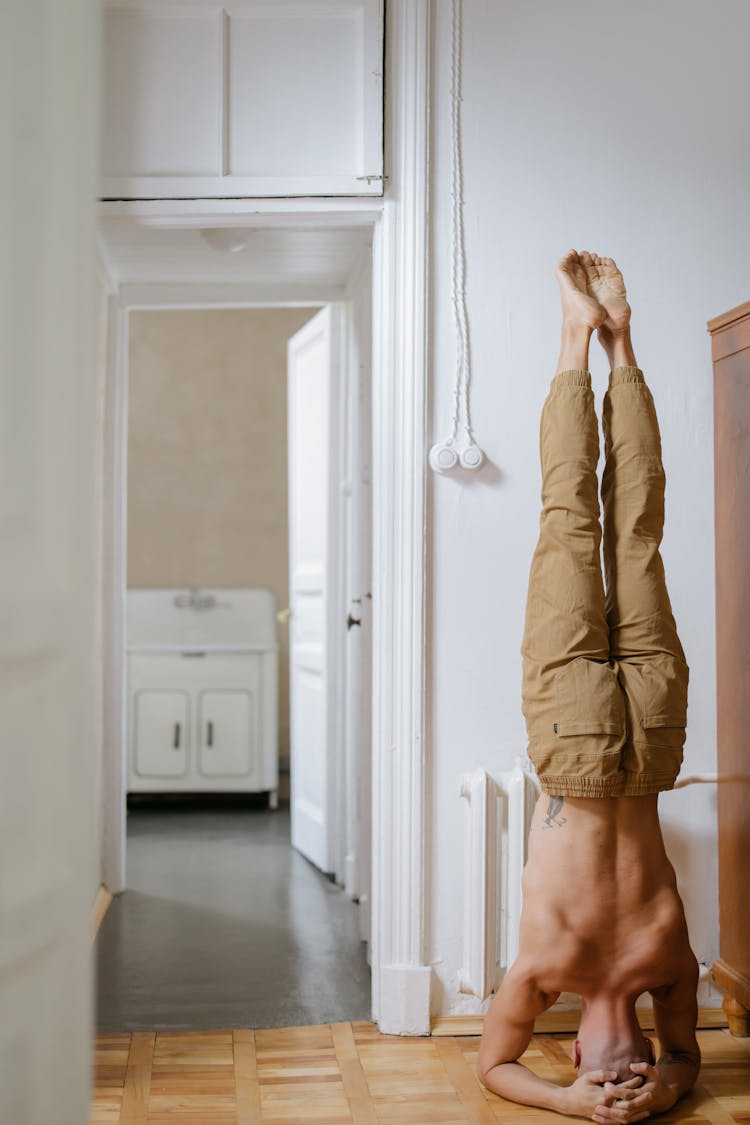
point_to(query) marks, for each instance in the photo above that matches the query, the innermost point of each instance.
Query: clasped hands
(595, 1095)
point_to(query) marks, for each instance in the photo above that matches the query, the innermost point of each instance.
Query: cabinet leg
(273, 798)
(738, 1017)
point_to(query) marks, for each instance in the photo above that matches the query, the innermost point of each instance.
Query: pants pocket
(665, 684)
(589, 698)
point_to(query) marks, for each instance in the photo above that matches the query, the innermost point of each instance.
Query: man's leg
(573, 705)
(643, 635)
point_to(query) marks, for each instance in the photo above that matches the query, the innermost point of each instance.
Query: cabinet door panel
(162, 93)
(227, 734)
(161, 732)
(296, 94)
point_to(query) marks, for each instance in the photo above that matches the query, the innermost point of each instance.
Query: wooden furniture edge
(724, 319)
(561, 1022)
(102, 900)
(730, 333)
(731, 981)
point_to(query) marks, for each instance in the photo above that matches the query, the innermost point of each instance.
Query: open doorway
(232, 487)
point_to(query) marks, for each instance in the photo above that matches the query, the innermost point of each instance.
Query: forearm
(516, 1082)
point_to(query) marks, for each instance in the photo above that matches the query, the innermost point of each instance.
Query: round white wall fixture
(471, 457)
(227, 239)
(443, 457)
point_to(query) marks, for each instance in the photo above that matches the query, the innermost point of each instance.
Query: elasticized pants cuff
(564, 785)
(620, 785)
(638, 786)
(572, 378)
(620, 375)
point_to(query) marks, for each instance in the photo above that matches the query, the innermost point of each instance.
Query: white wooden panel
(162, 87)
(228, 748)
(295, 96)
(310, 437)
(310, 781)
(161, 733)
(312, 360)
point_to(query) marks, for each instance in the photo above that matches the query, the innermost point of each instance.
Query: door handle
(176, 737)
(352, 621)
(209, 733)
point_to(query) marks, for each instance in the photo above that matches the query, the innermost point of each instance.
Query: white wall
(620, 128)
(48, 637)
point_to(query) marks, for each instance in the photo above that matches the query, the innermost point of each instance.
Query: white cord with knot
(444, 455)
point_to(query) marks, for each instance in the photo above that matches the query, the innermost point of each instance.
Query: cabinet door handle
(176, 739)
(210, 733)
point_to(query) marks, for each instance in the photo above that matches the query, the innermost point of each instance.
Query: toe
(567, 260)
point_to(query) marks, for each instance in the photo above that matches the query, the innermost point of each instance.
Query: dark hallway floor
(224, 925)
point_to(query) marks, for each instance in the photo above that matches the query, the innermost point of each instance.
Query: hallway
(225, 925)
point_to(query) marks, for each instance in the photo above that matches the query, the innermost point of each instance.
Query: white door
(226, 733)
(49, 689)
(161, 733)
(313, 377)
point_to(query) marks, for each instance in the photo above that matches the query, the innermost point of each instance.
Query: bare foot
(580, 306)
(604, 282)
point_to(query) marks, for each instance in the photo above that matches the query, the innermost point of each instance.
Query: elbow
(491, 1066)
(481, 1074)
(486, 1060)
(484, 1065)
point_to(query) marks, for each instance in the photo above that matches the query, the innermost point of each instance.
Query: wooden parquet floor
(350, 1074)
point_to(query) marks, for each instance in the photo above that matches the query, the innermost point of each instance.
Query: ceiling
(305, 262)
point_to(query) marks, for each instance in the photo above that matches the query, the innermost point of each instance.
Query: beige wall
(207, 455)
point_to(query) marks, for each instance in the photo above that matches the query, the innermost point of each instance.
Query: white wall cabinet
(203, 721)
(249, 98)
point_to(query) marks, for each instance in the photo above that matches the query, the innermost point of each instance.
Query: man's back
(601, 912)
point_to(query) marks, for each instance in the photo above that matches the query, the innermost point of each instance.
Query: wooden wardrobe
(730, 345)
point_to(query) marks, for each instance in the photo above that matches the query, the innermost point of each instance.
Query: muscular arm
(675, 1019)
(508, 1027)
(507, 1031)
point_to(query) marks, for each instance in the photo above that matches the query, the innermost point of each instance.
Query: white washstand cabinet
(202, 668)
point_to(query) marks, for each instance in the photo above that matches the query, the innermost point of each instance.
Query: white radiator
(499, 811)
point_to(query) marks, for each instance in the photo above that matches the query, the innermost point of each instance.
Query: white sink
(205, 620)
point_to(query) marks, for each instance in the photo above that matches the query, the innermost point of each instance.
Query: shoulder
(521, 991)
(509, 1022)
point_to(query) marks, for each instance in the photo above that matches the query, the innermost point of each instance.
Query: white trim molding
(114, 532)
(401, 979)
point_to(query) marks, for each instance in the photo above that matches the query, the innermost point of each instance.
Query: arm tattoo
(552, 816)
(687, 1057)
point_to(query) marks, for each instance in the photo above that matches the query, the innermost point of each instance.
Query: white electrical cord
(701, 779)
(444, 455)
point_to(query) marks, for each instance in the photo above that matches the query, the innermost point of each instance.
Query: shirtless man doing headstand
(605, 701)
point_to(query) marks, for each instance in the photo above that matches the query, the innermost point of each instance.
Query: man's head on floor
(610, 1038)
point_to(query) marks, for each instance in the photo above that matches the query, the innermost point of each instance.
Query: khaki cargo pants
(604, 676)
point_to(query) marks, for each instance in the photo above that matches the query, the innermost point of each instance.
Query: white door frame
(400, 976)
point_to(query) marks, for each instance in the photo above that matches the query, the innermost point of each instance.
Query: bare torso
(601, 912)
